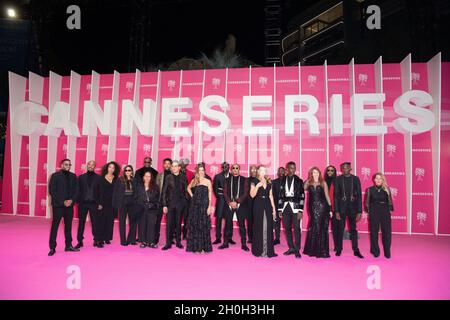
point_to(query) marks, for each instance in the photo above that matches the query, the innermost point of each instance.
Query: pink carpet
(418, 270)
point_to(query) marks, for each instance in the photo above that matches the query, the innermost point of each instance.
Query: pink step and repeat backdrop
(125, 117)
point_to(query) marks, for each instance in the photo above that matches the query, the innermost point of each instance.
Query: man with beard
(292, 200)
(235, 192)
(160, 181)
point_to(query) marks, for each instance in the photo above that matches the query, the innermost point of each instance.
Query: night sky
(178, 29)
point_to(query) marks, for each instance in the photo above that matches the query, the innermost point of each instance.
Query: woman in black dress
(379, 207)
(123, 202)
(319, 206)
(264, 214)
(199, 223)
(147, 208)
(110, 172)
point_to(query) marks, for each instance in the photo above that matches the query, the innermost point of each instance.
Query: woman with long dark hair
(319, 204)
(379, 207)
(330, 177)
(199, 224)
(123, 201)
(110, 172)
(147, 206)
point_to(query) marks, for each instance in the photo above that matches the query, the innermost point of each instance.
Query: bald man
(88, 202)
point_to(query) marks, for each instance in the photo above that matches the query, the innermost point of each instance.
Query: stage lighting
(11, 13)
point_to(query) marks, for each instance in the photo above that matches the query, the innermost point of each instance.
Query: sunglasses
(235, 168)
(330, 170)
(128, 170)
(67, 164)
(147, 162)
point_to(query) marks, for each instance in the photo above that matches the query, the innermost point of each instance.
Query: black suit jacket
(60, 190)
(83, 187)
(299, 193)
(119, 192)
(276, 184)
(339, 203)
(169, 190)
(219, 184)
(243, 191)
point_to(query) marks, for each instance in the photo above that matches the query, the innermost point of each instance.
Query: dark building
(337, 31)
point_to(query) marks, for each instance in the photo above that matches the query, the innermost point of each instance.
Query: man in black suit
(63, 189)
(235, 192)
(146, 168)
(290, 208)
(89, 202)
(218, 186)
(347, 203)
(276, 185)
(160, 181)
(174, 199)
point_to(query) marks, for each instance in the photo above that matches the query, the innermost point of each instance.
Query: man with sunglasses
(235, 192)
(63, 189)
(218, 186)
(146, 168)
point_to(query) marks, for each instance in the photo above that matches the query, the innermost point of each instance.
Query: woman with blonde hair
(200, 209)
(264, 215)
(379, 207)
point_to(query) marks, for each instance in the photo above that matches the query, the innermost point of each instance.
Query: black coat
(276, 184)
(83, 187)
(219, 184)
(140, 199)
(341, 204)
(243, 191)
(140, 173)
(119, 192)
(299, 193)
(63, 188)
(169, 191)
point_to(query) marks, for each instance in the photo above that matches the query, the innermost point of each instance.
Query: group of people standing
(259, 204)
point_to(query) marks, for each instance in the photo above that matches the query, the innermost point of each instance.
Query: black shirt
(348, 187)
(234, 182)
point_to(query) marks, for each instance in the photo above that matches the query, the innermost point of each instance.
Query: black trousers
(341, 227)
(109, 214)
(147, 226)
(249, 218)
(59, 213)
(83, 209)
(380, 218)
(124, 211)
(220, 208)
(277, 227)
(241, 214)
(290, 222)
(173, 223)
(335, 229)
(158, 225)
(185, 215)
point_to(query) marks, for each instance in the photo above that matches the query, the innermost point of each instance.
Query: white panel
(36, 92)
(156, 126)
(351, 77)
(379, 89)
(17, 87)
(112, 140)
(134, 132)
(52, 144)
(434, 87)
(225, 133)
(275, 133)
(74, 105)
(405, 66)
(91, 143)
(200, 133)
(176, 148)
(300, 143)
(327, 125)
